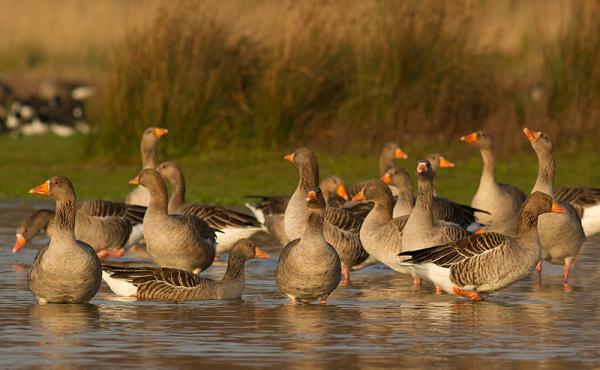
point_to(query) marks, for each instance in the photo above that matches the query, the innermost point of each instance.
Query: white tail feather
(119, 286)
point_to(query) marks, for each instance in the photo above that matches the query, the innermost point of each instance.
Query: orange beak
(259, 253)
(289, 157)
(311, 196)
(135, 180)
(531, 135)
(557, 208)
(471, 138)
(43, 189)
(400, 154)
(444, 163)
(360, 196)
(20, 243)
(387, 179)
(160, 132)
(341, 191)
(422, 167)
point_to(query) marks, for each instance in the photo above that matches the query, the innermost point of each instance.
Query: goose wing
(453, 253)
(219, 217)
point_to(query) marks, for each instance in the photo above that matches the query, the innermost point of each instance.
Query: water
(378, 321)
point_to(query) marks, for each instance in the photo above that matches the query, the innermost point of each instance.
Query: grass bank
(224, 177)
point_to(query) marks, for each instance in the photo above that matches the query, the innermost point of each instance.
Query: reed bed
(349, 75)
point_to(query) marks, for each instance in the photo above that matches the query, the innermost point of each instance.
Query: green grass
(225, 177)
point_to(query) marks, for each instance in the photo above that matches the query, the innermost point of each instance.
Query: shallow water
(377, 321)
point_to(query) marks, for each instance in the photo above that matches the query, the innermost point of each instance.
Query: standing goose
(484, 263)
(66, 270)
(107, 235)
(421, 230)
(586, 202)
(561, 235)
(341, 228)
(309, 267)
(167, 284)
(231, 224)
(140, 196)
(501, 200)
(178, 241)
(438, 161)
(443, 209)
(389, 152)
(271, 209)
(380, 234)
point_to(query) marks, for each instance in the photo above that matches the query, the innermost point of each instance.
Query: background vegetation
(241, 83)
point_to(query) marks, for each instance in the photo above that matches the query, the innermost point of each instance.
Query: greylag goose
(308, 266)
(168, 284)
(586, 202)
(421, 230)
(487, 262)
(389, 152)
(561, 235)
(501, 200)
(438, 161)
(140, 196)
(271, 209)
(178, 241)
(443, 209)
(66, 270)
(341, 228)
(380, 234)
(107, 235)
(231, 224)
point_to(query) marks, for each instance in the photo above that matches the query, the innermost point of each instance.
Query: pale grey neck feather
(158, 199)
(148, 151)
(178, 196)
(488, 173)
(421, 216)
(546, 171)
(295, 212)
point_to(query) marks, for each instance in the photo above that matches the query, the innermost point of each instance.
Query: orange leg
(474, 296)
(106, 253)
(438, 290)
(566, 271)
(346, 275)
(417, 282)
(323, 301)
(538, 270)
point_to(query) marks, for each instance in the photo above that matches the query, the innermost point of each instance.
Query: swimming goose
(231, 224)
(178, 241)
(309, 267)
(501, 200)
(107, 235)
(168, 284)
(341, 228)
(389, 152)
(586, 202)
(421, 230)
(140, 196)
(271, 209)
(487, 262)
(561, 235)
(380, 234)
(443, 209)
(67, 270)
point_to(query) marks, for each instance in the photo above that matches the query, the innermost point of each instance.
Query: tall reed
(340, 75)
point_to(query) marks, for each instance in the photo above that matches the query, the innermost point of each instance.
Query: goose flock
(326, 230)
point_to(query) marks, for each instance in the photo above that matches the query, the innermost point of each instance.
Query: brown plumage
(168, 284)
